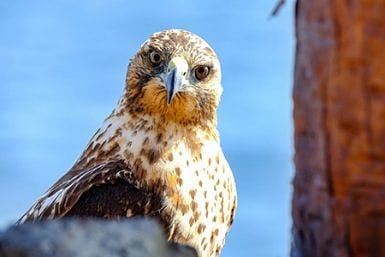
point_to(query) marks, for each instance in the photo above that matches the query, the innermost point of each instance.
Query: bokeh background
(62, 69)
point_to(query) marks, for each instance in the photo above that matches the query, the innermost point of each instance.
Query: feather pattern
(65, 193)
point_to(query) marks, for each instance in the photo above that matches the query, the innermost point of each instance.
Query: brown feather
(114, 200)
(65, 194)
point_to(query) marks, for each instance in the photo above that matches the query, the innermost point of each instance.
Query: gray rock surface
(90, 237)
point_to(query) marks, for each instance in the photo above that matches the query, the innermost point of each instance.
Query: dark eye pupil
(202, 72)
(155, 58)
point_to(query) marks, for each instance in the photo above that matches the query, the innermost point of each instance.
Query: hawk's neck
(142, 141)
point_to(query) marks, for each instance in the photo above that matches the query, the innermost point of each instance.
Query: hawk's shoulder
(105, 190)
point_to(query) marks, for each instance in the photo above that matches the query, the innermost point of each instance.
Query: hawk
(158, 153)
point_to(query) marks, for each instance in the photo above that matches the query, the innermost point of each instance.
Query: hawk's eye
(201, 72)
(155, 58)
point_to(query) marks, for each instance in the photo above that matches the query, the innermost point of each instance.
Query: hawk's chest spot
(197, 194)
(180, 164)
(187, 166)
(173, 156)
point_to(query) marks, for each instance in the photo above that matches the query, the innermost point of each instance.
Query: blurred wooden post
(339, 112)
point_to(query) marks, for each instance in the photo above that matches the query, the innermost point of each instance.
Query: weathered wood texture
(339, 112)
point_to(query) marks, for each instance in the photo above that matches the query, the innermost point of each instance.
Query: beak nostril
(184, 73)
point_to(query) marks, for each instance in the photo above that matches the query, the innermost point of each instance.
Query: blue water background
(62, 69)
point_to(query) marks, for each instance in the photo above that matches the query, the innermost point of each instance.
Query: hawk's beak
(175, 77)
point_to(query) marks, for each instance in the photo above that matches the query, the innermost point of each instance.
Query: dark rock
(90, 237)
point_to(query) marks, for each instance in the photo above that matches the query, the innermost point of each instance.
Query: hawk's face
(176, 75)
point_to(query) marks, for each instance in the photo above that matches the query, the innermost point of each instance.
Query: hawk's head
(175, 75)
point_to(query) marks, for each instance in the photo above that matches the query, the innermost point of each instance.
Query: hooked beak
(175, 77)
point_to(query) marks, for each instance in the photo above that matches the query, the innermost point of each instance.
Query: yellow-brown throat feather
(187, 108)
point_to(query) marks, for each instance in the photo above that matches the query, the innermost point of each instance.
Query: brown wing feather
(114, 200)
(106, 190)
